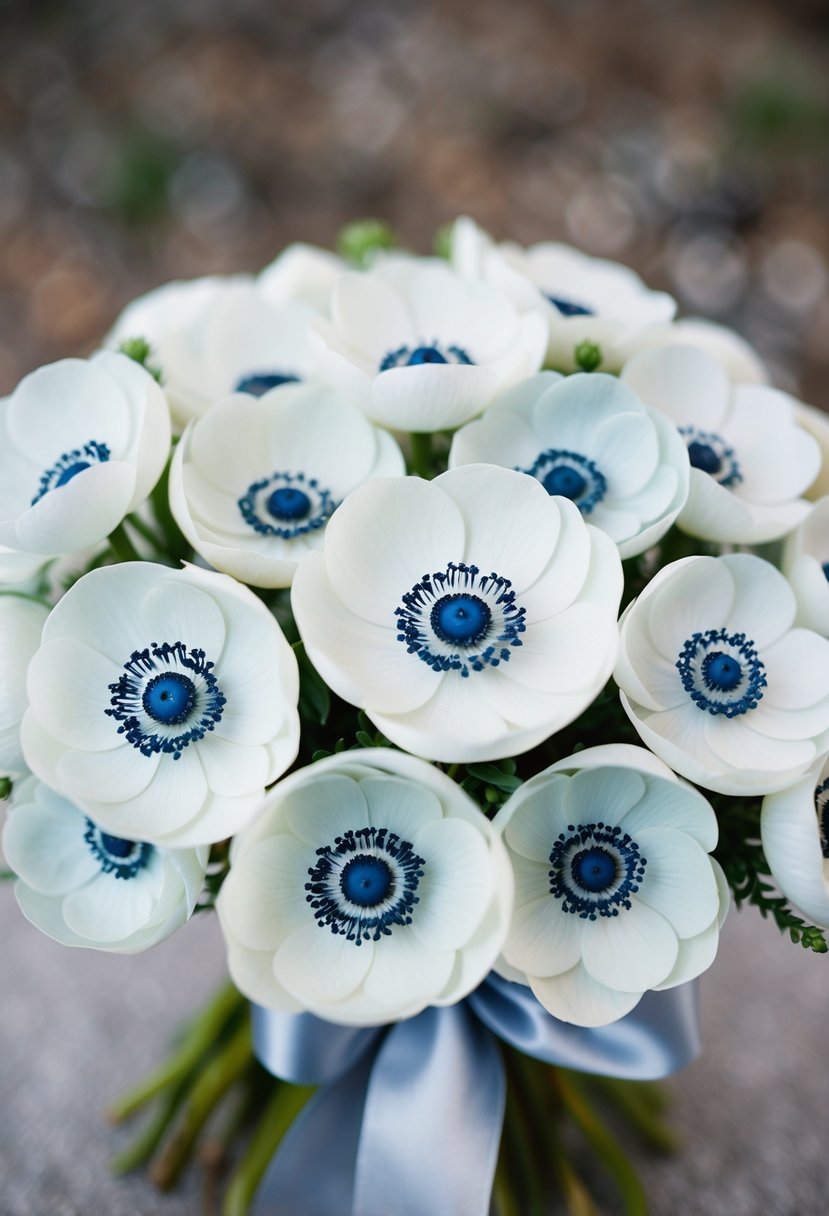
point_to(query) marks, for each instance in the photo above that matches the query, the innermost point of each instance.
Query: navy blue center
(568, 308)
(425, 354)
(825, 569)
(116, 846)
(565, 482)
(721, 671)
(460, 618)
(259, 383)
(703, 457)
(169, 697)
(594, 869)
(289, 504)
(366, 881)
(72, 471)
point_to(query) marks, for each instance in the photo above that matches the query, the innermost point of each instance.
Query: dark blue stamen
(594, 870)
(711, 454)
(426, 352)
(123, 858)
(154, 693)
(460, 620)
(722, 672)
(822, 809)
(69, 465)
(365, 883)
(259, 383)
(570, 475)
(568, 308)
(286, 505)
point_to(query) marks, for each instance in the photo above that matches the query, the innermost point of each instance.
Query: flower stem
(143, 529)
(199, 1037)
(637, 1109)
(139, 1152)
(121, 545)
(284, 1105)
(422, 461)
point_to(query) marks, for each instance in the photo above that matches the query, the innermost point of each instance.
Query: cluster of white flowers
(411, 498)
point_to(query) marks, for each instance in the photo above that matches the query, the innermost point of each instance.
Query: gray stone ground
(78, 1027)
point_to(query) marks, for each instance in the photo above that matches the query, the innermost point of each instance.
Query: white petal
(431, 396)
(399, 805)
(232, 769)
(173, 794)
(43, 843)
(686, 384)
(679, 881)
(605, 794)
(685, 598)
(631, 951)
(791, 842)
(543, 940)
(325, 807)
(405, 970)
(668, 804)
(764, 604)
(263, 899)
(739, 746)
(114, 775)
(64, 405)
(68, 685)
(577, 998)
(533, 819)
(316, 965)
(797, 669)
(109, 909)
(371, 315)
(455, 725)
(176, 612)
(78, 514)
(456, 887)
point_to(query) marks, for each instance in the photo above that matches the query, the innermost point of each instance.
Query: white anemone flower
(806, 566)
(21, 624)
(254, 483)
(580, 298)
(369, 887)
(794, 827)
(302, 273)
(215, 336)
(418, 349)
(615, 893)
(470, 616)
(750, 460)
(84, 887)
(816, 422)
(590, 439)
(717, 681)
(739, 359)
(84, 442)
(162, 702)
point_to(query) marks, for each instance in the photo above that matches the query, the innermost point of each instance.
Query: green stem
(521, 1139)
(284, 1105)
(152, 537)
(209, 1086)
(503, 1190)
(637, 1109)
(176, 545)
(198, 1040)
(239, 1109)
(139, 1152)
(421, 446)
(122, 546)
(605, 1146)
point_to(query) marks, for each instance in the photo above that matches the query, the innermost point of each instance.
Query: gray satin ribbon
(365, 1143)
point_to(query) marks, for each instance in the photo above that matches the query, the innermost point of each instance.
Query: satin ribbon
(364, 1145)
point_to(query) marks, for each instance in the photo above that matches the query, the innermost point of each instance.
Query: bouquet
(457, 628)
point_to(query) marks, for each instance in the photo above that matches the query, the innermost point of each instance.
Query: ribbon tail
(312, 1173)
(432, 1119)
(304, 1049)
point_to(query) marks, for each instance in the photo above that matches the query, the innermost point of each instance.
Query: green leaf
(361, 239)
(491, 774)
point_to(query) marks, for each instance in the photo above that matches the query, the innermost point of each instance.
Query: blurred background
(146, 141)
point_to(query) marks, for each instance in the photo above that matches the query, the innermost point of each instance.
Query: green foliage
(588, 356)
(5, 788)
(490, 785)
(359, 241)
(740, 853)
(138, 188)
(314, 697)
(139, 350)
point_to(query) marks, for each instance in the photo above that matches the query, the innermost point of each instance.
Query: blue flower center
(825, 569)
(722, 672)
(69, 465)
(289, 503)
(822, 809)
(166, 699)
(259, 383)
(366, 880)
(570, 475)
(286, 505)
(169, 697)
(460, 620)
(568, 308)
(123, 858)
(364, 884)
(427, 352)
(711, 454)
(594, 870)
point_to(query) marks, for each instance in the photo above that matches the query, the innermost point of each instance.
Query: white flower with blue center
(21, 624)
(590, 439)
(219, 335)
(794, 827)
(418, 349)
(718, 682)
(806, 566)
(579, 298)
(369, 887)
(254, 483)
(615, 893)
(162, 702)
(84, 887)
(750, 459)
(470, 616)
(84, 442)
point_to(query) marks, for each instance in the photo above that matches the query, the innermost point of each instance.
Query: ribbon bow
(364, 1145)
